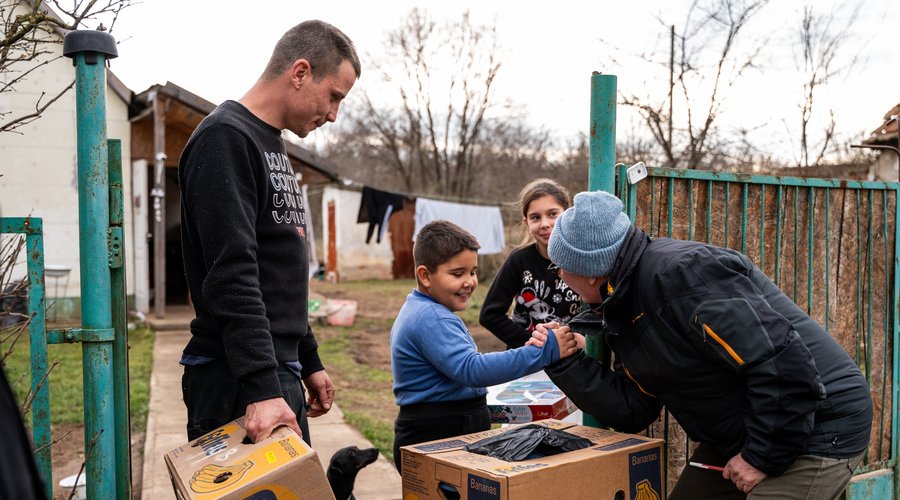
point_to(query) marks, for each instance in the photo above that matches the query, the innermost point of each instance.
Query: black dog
(344, 466)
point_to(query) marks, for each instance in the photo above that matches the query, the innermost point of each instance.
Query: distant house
(39, 167)
(887, 167)
(39, 178)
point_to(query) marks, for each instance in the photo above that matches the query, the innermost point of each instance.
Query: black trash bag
(528, 441)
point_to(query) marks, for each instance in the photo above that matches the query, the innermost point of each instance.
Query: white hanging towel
(485, 223)
(310, 236)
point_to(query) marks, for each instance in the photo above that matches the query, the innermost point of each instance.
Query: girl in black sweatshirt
(539, 296)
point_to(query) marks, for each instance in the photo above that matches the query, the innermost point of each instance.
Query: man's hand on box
(320, 394)
(262, 417)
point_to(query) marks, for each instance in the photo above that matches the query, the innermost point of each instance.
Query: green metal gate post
(89, 51)
(120, 321)
(33, 229)
(40, 383)
(601, 172)
(602, 167)
(895, 376)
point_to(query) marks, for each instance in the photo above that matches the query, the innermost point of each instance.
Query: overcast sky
(549, 50)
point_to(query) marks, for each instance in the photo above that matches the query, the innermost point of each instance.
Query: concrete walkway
(167, 417)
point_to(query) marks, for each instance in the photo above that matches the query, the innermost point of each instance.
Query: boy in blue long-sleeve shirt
(440, 378)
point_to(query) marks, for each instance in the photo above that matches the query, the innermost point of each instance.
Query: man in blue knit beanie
(590, 234)
(767, 393)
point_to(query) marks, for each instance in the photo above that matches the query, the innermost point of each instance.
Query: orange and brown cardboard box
(221, 465)
(527, 399)
(616, 466)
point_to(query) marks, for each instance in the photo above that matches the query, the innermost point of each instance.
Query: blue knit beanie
(587, 236)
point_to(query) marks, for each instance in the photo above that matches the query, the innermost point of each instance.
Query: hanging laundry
(310, 235)
(376, 208)
(484, 222)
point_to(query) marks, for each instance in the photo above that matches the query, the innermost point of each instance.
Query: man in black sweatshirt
(245, 249)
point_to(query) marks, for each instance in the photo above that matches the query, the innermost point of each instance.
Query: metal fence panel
(830, 245)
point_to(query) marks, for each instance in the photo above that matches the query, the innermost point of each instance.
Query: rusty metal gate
(830, 245)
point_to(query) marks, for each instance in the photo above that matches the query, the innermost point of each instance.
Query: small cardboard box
(527, 399)
(616, 466)
(221, 465)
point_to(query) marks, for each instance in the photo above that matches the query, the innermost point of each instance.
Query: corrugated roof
(204, 107)
(887, 132)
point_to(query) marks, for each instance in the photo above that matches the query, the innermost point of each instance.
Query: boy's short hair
(439, 241)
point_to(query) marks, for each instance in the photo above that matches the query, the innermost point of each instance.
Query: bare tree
(821, 39)
(444, 77)
(31, 29)
(704, 60)
(509, 149)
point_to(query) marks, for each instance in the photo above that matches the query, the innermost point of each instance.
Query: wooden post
(331, 269)
(159, 207)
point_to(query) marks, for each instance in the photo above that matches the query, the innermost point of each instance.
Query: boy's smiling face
(453, 282)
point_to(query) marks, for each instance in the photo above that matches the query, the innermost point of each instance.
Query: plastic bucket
(341, 312)
(68, 484)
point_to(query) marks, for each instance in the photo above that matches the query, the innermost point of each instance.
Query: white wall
(39, 166)
(356, 259)
(885, 167)
(141, 265)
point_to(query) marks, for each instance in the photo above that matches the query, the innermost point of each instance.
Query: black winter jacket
(701, 330)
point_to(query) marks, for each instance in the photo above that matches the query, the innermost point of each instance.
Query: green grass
(363, 392)
(66, 381)
(379, 432)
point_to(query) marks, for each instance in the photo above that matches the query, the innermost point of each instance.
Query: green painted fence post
(33, 229)
(89, 51)
(602, 167)
(601, 173)
(120, 320)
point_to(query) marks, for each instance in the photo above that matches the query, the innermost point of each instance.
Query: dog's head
(344, 465)
(352, 459)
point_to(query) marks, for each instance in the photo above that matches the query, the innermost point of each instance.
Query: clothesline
(356, 186)
(485, 222)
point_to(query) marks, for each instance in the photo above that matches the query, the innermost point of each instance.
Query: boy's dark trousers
(213, 398)
(420, 422)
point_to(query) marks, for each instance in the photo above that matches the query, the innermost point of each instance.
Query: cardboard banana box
(222, 464)
(616, 466)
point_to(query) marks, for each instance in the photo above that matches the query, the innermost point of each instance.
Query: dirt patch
(67, 454)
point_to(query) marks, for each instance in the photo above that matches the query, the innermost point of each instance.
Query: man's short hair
(323, 45)
(439, 241)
